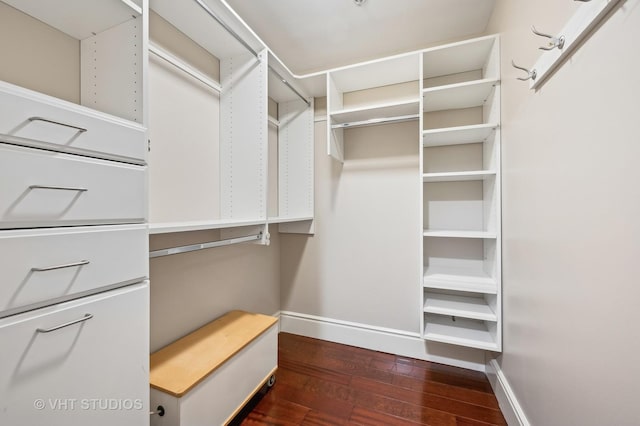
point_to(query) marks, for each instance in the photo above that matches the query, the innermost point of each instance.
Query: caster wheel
(271, 381)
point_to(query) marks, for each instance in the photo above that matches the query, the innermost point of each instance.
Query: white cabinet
(28, 118)
(45, 266)
(43, 188)
(460, 165)
(78, 363)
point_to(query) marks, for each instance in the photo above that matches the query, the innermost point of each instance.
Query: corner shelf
(458, 234)
(289, 219)
(459, 279)
(458, 176)
(465, 332)
(460, 135)
(460, 95)
(458, 306)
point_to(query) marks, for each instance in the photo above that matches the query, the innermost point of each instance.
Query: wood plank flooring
(321, 383)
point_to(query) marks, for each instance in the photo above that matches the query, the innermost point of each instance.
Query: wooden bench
(206, 377)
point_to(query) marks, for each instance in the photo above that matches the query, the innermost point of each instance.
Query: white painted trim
(509, 404)
(382, 339)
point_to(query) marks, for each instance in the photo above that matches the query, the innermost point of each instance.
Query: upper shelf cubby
(456, 58)
(89, 17)
(88, 52)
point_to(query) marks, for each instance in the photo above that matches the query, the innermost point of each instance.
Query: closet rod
(195, 247)
(184, 67)
(227, 28)
(286, 83)
(375, 121)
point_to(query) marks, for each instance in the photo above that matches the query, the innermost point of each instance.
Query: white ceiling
(315, 35)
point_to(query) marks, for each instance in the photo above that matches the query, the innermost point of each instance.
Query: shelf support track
(212, 244)
(227, 28)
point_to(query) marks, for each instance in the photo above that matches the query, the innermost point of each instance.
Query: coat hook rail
(531, 75)
(212, 244)
(553, 41)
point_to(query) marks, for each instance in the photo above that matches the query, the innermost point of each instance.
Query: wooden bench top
(181, 365)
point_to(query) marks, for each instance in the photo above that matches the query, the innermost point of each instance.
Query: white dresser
(74, 290)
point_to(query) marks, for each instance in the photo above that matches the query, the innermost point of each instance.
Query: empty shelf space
(169, 227)
(458, 176)
(456, 96)
(459, 279)
(444, 233)
(464, 332)
(375, 112)
(97, 15)
(457, 135)
(458, 306)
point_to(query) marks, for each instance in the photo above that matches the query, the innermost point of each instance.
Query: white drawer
(46, 266)
(92, 372)
(54, 124)
(42, 188)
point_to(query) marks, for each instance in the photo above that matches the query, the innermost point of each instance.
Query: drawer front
(93, 371)
(41, 188)
(37, 117)
(46, 266)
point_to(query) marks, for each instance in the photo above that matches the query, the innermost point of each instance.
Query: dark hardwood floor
(324, 383)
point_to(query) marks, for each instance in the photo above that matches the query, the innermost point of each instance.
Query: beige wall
(571, 209)
(37, 56)
(188, 290)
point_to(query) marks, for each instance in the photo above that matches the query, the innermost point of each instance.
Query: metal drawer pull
(66, 324)
(80, 129)
(67, 265)
(58, 188)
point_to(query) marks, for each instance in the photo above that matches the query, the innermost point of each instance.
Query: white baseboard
(511, 409)
(381, 339)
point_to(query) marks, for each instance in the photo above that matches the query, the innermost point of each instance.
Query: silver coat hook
(531, 75)
(553, 41)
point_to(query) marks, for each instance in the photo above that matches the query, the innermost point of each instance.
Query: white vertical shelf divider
(335, 137)
(296, 165)
(243, 136)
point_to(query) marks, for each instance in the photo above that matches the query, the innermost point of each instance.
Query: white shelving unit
(343, 112)
(233, 176)
(461, 284)
(293, 159)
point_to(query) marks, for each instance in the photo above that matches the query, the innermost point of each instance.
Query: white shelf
(289, 219)
(458, 306)
(169, 227)
(458, 135)
(458, 176)
(457, 57)
(458, 234)
(464, 332)
(460, 95)
(372, 112)
(274, 122)
(459, 279)
(96, 15)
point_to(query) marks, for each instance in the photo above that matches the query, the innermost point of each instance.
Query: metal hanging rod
(184, 67)
(286, 83)
(195, 247)
(227, 28)
(376, 121)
